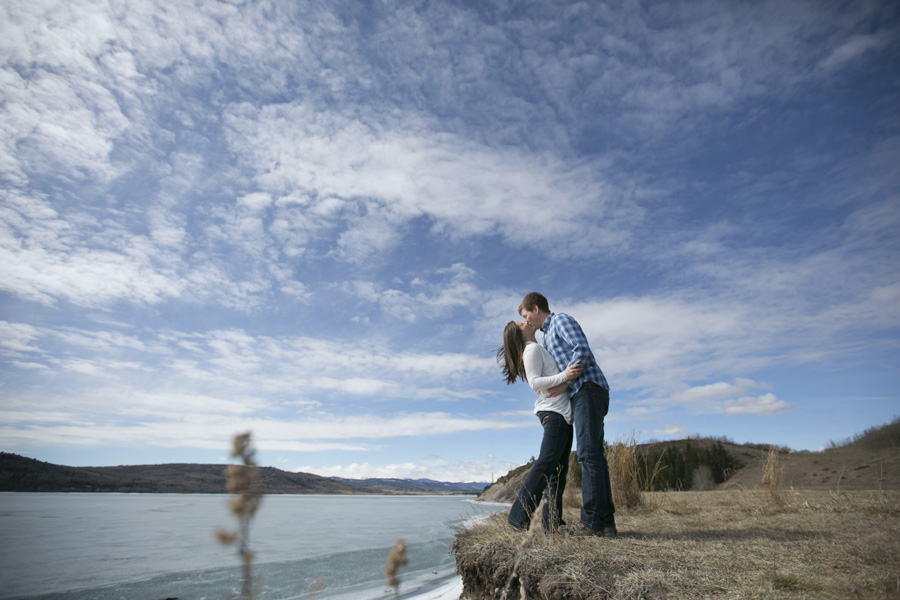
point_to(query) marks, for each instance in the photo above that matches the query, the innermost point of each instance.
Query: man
(589, 393)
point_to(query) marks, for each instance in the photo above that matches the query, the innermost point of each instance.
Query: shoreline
(448, 590)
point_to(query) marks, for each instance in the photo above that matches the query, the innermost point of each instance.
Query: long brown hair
(509, 355)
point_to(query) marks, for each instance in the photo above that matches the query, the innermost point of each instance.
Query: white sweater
(542, 373)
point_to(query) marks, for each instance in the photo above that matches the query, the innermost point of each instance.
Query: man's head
(534, 309)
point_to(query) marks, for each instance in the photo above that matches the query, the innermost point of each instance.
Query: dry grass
(756, 538)
(623, 473)
(773, 477)
(623, 459)
(692, 545)
(247, 492)
(247, 496)
(396, 559)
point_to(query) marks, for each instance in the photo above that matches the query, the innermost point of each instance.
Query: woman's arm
(571, 372)
(534, 364)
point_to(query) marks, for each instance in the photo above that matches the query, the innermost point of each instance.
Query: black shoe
(518, 527)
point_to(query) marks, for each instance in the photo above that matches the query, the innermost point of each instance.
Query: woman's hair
(509, 355)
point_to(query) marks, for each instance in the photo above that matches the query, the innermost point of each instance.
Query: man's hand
(556, 389)
(573, 371)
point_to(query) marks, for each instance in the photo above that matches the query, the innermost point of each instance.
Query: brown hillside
(505, 488)
(870, 461)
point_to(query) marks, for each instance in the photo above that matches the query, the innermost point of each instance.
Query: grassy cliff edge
(787, 525)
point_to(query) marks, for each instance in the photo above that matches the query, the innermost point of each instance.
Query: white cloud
(731, 399)
(295, 446)
(383, 177)
(203, 423)
(174, 434)
(169, 389)
(444, 290)
(46, 256)
(30, 365)
(767, 405)
(670, 430)
(717, 391)
(429, 468)
(256, 201)
(641, 341)
(642, 411)
(854, 47)
(16, 338)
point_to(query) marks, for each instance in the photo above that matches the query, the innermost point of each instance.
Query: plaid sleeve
(576, 343)
(566, 342)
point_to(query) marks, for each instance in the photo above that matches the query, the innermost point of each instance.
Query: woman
(521, 357)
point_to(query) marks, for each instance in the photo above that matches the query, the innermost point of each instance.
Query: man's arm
(571, 333)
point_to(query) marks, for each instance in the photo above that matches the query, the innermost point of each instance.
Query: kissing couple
(572, 401)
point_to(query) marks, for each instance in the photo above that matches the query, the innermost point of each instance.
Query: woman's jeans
(547, 476)
(589, 407)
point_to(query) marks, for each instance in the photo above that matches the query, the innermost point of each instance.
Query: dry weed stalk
(244, 504)
(396, 559)
(623, 473)
(572, 495)
(773, 477)
(520, 553)
(649, 481)
(314, 588)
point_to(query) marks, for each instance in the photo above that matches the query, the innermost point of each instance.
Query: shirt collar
(546, 323)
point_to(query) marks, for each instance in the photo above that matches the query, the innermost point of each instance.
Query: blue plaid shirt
(567, 343)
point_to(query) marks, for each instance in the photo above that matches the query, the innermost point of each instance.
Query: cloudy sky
(311, 220)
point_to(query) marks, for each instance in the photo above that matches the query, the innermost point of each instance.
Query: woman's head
(509, 355)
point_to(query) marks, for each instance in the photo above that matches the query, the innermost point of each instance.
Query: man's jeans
(548, 474)
(590, 405)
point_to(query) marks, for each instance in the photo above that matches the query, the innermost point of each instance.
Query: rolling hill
(870, 461)
(21, 474)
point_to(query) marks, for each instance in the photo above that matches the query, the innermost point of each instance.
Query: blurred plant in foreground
(244, 504)
(396, 559)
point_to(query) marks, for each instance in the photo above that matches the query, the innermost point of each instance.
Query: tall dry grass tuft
(524, 544)
(649, 478)
(247, 496)
(396, 559)
(772, 481)
(622, 457)
(572, 495)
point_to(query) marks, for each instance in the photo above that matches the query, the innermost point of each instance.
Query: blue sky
(312, 220)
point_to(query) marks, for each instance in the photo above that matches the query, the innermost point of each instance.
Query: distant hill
(418, 486)
(21, 474)
(506, 487)
(869, 461)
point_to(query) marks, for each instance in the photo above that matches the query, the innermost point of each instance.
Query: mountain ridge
(22, 474)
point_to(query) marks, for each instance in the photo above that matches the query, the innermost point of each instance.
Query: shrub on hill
(684, 466)
(874, 438)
